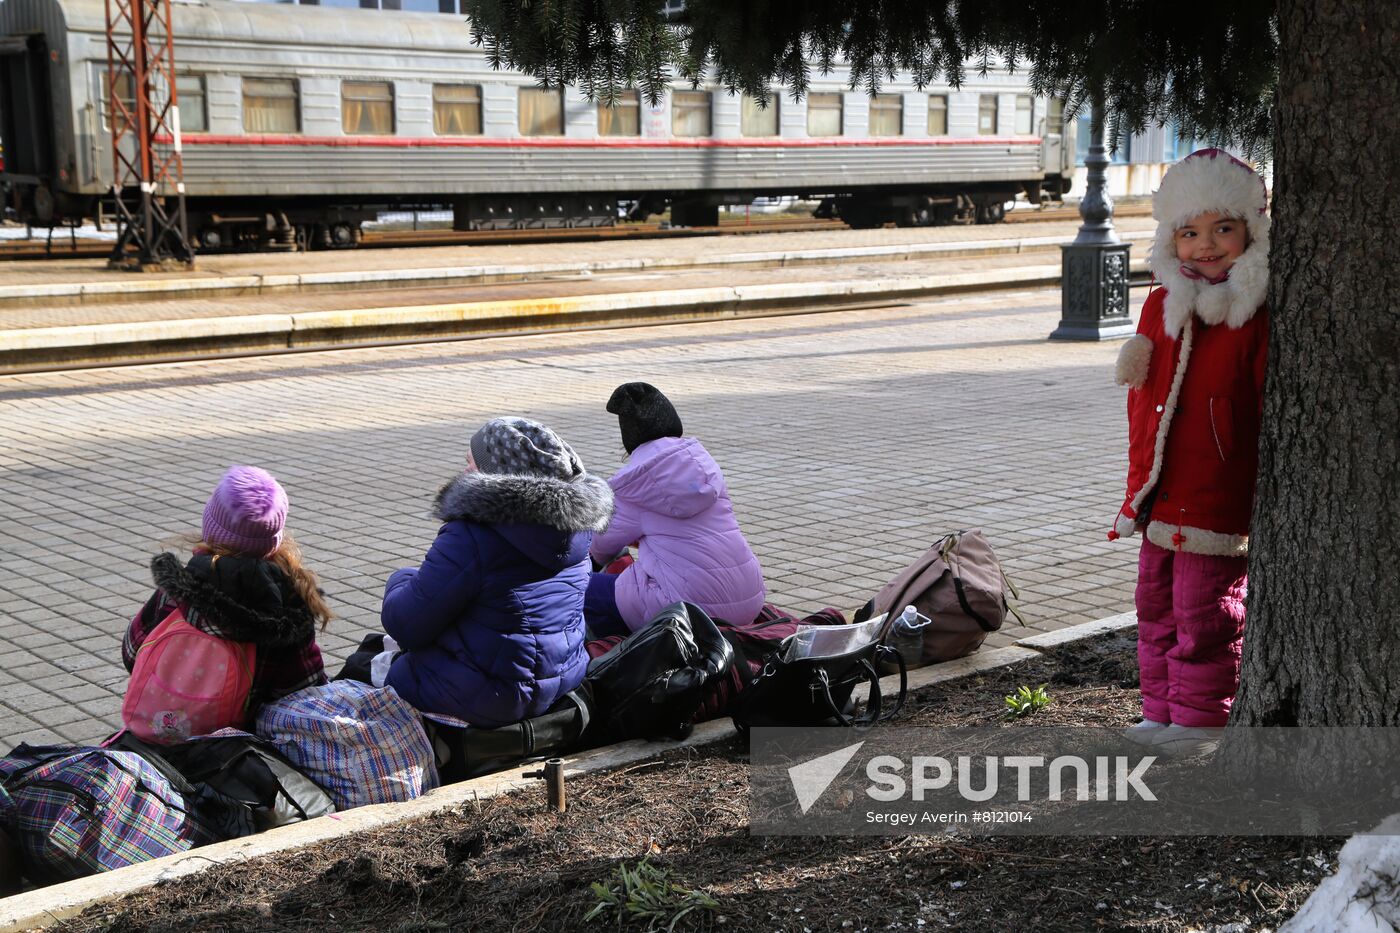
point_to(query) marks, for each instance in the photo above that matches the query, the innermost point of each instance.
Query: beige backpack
(958, 584)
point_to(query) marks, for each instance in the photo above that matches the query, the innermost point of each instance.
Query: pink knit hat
(246, 512)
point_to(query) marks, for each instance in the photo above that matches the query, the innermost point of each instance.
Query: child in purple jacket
(671, 501)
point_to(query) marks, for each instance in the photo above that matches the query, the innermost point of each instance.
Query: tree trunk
(1322, 640)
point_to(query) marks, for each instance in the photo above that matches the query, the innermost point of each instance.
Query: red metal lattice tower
(147, 178)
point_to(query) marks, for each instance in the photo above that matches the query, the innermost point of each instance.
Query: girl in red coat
(1196, 372)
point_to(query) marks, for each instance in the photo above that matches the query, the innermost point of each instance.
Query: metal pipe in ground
(553, 774)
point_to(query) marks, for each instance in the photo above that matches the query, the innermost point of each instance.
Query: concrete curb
(138, 289)
(44, 906)
(25, 349)
(1078, 632)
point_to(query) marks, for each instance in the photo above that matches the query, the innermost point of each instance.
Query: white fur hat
(1211, 181)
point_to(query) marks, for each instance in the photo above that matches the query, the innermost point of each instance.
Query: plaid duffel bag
(362, 744)
(77, 811)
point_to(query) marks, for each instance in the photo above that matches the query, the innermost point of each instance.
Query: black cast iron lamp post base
(1094, 268)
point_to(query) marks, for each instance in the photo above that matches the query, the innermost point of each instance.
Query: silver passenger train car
(297, 123)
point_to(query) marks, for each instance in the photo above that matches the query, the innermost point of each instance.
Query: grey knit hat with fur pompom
(520, 446)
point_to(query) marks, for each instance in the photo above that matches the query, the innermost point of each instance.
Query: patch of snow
(1363, 896)
(61, 235)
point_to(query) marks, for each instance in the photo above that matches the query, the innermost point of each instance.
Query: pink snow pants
(1190, 610)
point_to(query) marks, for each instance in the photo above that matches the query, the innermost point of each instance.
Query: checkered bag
(77, 811)
(362, 744)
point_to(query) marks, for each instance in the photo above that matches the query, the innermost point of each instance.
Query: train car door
(1052, 136)
(25, 127)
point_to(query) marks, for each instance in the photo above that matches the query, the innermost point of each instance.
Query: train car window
(1023, 115)
(1055, 115)
(541, 112)
(270, 105)
(823, 114)
(1083, 130)
(367, 108)
(194, 118)
(887, 115)
(986, 114)
(690, 113)
(125, 94)
(757, 120)
(938, 115)
(623, 118)
(456, 109)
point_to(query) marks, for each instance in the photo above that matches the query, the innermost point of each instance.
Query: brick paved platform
(850, 440)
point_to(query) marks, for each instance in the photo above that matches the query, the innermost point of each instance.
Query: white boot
(1145, 732)
(1187, 741)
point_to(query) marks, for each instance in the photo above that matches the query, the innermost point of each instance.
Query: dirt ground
(508, 865)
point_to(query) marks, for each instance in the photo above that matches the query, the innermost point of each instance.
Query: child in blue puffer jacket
(491, 625)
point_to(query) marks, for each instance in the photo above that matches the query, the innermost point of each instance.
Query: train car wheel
(915, 217)
(991, 213)
(343, 236)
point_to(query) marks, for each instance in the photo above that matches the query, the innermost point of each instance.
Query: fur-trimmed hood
(582, 504)
(1211, 181)
(492, 621)
(242, 598)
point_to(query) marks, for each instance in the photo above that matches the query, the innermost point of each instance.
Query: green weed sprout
(645, 893)
(1026, 701)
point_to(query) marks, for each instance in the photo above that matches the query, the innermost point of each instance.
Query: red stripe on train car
(433, 142)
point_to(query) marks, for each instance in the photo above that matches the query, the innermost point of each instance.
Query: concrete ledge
(1073, 633)
(921, 678)
(140, 289)
(108, 335)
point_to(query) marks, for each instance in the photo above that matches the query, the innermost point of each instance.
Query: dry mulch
(508, 865)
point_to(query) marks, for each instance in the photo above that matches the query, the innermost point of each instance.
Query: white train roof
(226, 20)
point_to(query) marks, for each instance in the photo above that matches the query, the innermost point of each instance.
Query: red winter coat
(1193, 430)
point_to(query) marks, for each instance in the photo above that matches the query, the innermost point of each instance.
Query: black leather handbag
(244, 784)
(650, 684)
(812, 678)
(464, 752)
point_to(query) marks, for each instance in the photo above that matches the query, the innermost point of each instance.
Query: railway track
(65, 248)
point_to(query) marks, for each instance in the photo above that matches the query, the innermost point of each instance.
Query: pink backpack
(185, 682)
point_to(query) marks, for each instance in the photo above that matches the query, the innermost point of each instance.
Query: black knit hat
(643, 414)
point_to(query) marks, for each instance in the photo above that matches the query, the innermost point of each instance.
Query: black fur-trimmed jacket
(240, 598)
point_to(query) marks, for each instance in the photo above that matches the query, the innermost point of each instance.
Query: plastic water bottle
(907, 635)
